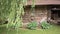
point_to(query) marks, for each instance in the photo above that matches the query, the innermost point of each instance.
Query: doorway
(55, 14)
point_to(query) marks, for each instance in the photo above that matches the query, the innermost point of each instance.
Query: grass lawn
(53, 30)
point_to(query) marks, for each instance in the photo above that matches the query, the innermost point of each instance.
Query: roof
(44, 2)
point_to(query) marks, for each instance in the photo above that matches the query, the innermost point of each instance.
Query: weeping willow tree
(4, 10)
(12, 11)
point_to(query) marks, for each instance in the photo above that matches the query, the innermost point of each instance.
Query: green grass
(55, 29)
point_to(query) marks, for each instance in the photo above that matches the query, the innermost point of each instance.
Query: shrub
(32, 25)
(45, 25)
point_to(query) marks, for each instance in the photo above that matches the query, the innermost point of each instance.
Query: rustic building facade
(43, 8)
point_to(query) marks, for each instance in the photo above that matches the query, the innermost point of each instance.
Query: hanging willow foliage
(33, 3)
(33, 7)
(12, 11)
(4, 9)
(15, 16)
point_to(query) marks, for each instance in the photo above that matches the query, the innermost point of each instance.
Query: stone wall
(40, 12)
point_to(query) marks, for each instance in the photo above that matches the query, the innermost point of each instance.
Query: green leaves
(32, 25)
(33, 7)
(12, 11)
(45, 25)
(33, 3)
(4, 9)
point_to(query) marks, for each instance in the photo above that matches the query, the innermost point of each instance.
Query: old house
(43, 8)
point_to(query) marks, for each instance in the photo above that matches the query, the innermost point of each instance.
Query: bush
(45, 25)
(32, 25)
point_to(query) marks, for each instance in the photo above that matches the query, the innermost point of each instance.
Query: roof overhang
(44, 2)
